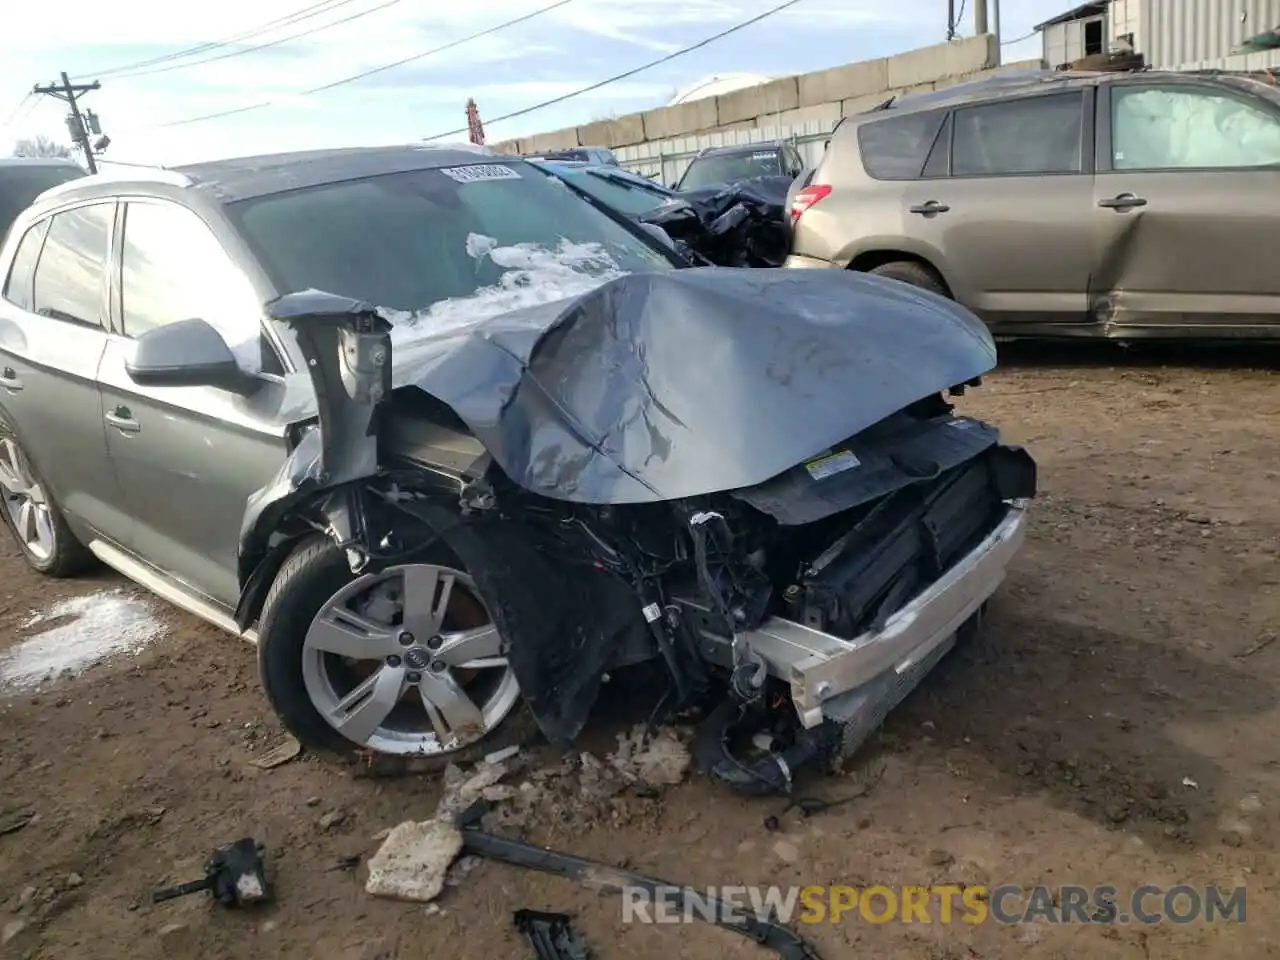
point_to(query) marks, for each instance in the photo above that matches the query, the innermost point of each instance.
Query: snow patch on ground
(532, 275)
(102, 625)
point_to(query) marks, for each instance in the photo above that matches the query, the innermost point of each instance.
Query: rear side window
(1030, 136)
(21, 279)
(70, 278)
(895, 148)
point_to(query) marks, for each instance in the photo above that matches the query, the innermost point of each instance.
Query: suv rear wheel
(913, 272)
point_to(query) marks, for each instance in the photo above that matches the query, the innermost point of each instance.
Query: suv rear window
(895, 148)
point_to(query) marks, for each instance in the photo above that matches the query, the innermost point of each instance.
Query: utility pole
(67, 92)
(951, 19)
(979, 17)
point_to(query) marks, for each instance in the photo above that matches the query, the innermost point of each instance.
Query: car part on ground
(235, 876)
(743, 224)
(594, 875)
(613, 512)
(550, 935)
(922, 189)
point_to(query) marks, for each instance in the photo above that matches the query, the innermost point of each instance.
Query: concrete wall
(821, 97)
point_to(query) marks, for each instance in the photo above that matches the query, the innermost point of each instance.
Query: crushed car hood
(659, 386)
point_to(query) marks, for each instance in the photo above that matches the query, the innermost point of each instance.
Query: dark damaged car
(487, 443)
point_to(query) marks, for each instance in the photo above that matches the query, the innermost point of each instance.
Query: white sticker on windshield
(831, 464)
(480, 171)
(762, 156)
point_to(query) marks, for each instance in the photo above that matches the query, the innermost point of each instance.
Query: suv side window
(19, 285)
(895, 148)
(174, 268)
(71, 276)
(1171, 128)
(1033, 135)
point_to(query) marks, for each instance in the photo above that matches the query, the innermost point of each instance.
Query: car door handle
(122, 420)
(929, 207)
(9, 379)
(1124, 201)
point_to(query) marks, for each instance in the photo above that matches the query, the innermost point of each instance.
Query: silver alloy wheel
(25, 502)
(430, 684)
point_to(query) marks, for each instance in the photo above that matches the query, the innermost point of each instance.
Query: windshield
(504, 234)
(20, 184)
(624, 195)
(707, 171)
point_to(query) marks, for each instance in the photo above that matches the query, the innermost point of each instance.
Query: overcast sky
(577, 44)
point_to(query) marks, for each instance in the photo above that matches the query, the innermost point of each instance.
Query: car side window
(1171, 128)
(895, 148)
(20, 284)
(1033, 135)
(70, 279)
(174, 268)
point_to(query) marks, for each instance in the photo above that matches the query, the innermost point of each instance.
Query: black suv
(717, 165)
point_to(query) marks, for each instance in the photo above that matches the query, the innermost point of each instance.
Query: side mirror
(189, 353)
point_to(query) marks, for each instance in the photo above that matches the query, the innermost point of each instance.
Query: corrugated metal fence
(1181, 32)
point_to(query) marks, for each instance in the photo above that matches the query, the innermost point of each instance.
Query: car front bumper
(820, 667)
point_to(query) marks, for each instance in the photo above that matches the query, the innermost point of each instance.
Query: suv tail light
(806, 198)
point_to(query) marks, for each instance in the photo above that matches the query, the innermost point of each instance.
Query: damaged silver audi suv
(452, 442)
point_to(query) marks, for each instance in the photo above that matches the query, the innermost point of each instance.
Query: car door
(188, 458)
(1006, 197)
(52, 338)
(1186, 206)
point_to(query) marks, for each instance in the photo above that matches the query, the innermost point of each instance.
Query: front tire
(33, 516)
(403, 663)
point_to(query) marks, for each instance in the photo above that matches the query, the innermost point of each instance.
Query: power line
(369, 73)
(305, 13)
(13, 114)
(629, 73)
(1025, 36)
(261, 46)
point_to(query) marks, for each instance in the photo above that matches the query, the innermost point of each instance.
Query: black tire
(69, 557)
(309, 577)
(915, 273)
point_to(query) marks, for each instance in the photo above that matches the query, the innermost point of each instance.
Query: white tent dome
(716, 85)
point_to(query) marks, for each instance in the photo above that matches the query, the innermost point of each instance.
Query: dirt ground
(1116, 723)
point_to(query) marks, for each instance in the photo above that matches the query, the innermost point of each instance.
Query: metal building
(1079, 32)
(1168, 33)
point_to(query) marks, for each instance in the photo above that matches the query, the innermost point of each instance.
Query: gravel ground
(1115, 723)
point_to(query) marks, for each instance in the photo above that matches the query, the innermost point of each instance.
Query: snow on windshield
(531, 274)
